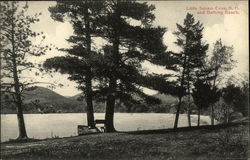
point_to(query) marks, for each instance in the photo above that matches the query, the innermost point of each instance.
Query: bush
(222, 111)
(233, 141)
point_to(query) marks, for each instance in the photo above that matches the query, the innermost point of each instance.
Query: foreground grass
(223, 143)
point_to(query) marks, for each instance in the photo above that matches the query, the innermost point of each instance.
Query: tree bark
(89, 101)
(88, 77)
(110, 105)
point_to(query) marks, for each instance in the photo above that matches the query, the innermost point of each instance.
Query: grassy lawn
(224, 143)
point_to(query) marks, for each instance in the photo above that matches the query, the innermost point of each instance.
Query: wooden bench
(101, 121)
(83, 130)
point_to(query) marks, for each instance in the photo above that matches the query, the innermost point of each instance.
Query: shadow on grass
(186, 129)
(26, 140)
(158, 131)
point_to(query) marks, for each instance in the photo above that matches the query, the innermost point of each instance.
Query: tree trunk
(21, 124)
(189, 116)
(88, 77)
(89, 101)
(111, 97)
(110, 105)
(199, 113)
(180, 95)
(189, 107)
(177, 113)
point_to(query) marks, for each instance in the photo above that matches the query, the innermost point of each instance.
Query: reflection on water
(64, 125)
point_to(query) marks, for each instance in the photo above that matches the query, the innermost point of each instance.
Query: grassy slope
(230, 142)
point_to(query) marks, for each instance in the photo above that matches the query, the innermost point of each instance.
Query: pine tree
(190, 59)
(81, 58)
(16, 48)
(129, 46)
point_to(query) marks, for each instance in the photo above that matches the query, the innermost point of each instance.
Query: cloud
(169, 38)
(234, 32)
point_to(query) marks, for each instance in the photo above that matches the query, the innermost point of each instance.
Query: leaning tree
(16, 50)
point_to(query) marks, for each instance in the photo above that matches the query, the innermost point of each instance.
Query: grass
(230, 142)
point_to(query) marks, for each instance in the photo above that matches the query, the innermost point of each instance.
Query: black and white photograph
(124, 79)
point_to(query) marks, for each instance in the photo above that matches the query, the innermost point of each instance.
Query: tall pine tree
(129, 46)
(81, 59)
(190, 59)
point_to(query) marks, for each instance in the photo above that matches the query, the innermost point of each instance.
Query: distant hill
(76, 97)
(166, 99)
(45, 100)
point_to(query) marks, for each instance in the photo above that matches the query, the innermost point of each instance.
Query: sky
(231, 27)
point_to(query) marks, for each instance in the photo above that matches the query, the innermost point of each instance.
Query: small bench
(101, 121)
(83, 130)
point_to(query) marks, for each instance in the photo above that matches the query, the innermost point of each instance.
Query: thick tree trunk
(89, 101)
(199, 115)
(21, 124)
(110, 106)
(111, 97)
(88, 77)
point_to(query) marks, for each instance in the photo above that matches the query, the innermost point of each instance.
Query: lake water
(64, 125)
